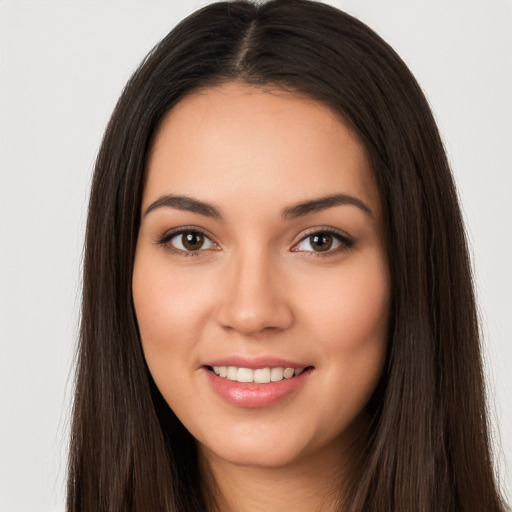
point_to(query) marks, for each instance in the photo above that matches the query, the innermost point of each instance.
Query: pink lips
(253, 395)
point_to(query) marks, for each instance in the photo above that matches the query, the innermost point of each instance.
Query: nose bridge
(252, 299)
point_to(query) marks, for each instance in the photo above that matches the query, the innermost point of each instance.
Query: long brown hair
(427, 447)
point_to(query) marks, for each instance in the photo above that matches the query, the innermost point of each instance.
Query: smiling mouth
(258, 375)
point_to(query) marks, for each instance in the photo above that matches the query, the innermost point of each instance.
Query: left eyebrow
(322, 203)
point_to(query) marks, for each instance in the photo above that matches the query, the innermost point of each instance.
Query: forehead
(266, 145)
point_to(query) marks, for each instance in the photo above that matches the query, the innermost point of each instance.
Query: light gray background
(62, 67)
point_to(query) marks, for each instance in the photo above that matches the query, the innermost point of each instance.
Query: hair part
(427, 447)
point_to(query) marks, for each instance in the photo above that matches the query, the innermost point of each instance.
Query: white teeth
(260, 375)
(276, 374)
(288, 373)
(245, 375)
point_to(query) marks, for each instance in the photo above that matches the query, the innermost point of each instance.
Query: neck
(310, 484)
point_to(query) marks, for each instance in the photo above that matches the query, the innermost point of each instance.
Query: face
(261, 285)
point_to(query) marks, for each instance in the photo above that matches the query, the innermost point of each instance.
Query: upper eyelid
(165, 239)
(332, 231)
(171, 233)
(344, 239)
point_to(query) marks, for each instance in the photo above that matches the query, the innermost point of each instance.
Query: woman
(277, 306)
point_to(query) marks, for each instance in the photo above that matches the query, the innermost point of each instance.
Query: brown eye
(321, 242)
(324, 242)
(189, 242)
(192, 241)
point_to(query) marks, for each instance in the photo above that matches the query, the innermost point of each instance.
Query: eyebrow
(190, 204)
(322, 203)
(185, 203)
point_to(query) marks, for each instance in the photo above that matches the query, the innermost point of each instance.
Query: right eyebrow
(185, 203)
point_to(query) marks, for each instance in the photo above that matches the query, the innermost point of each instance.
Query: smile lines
(259, 376)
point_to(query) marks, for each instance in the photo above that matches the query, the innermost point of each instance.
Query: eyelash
(165, 240)
(344, 240)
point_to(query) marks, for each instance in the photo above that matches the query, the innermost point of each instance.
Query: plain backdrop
(62, 67)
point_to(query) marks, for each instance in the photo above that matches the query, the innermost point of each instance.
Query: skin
(259, 288)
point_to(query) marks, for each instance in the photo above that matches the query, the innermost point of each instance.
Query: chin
(263, 453)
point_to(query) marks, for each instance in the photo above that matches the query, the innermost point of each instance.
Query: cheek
(165, 300)
(352, 309)
(168, 314)
(350, 321)
(167, 309)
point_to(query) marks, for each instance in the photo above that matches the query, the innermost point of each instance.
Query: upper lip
(256, 362)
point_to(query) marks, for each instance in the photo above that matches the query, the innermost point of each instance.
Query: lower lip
(253, 395)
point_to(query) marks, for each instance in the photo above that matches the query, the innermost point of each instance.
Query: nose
(253, 296)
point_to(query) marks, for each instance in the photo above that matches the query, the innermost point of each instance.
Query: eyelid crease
(345, 240)
(164, 241)
(171, 233)
(332, 231)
